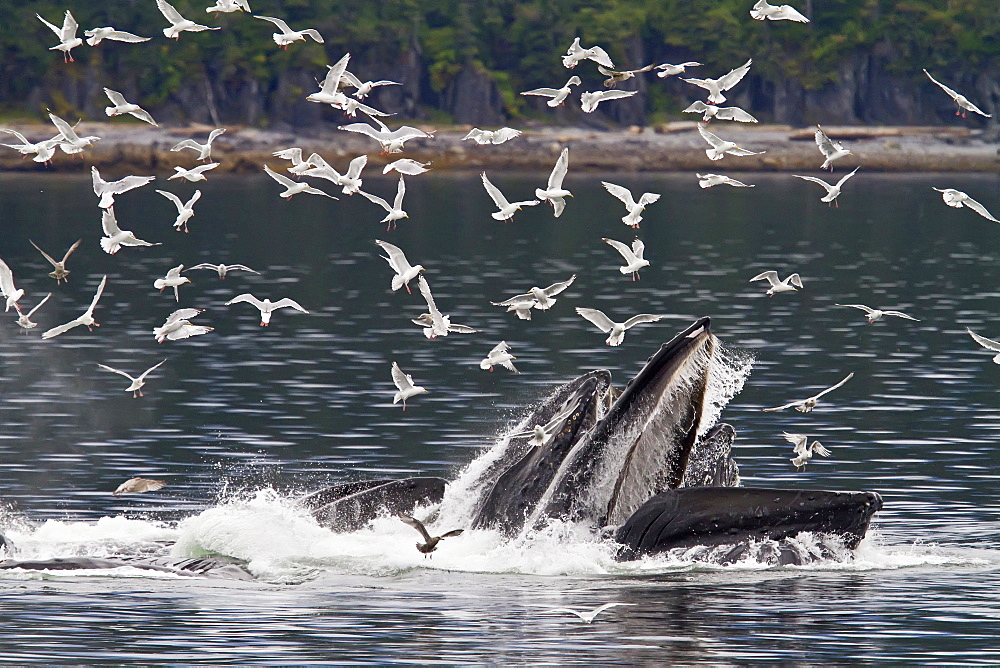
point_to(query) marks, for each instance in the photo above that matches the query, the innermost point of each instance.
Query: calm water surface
(243, 420)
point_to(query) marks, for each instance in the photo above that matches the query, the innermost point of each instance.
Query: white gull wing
(621, 192)
(494, 193)
(627, 253)
(642, 317)
(989, 344)
(439, 324)
(603, 322)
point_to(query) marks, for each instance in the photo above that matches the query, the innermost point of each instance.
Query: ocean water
(242, 421)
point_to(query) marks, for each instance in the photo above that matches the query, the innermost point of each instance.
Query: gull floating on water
(958, 199)
(223, 269)
(391, 141)
(405, 272)
(635, 209)
(394, 211)
(178, 326)
(71, 143)
(668, 70)
(762, 10)
(725, 82)
(430, 542)
(711, 111)
(364, 88)
(178, 23)
(121, 106)
(989, 344)
(204, 150)
(720, 147)
(135, 388)
(173, 279)
(7, 288)
(832, 192)
(407, 166)
(107, 190)
(577, 53)
(542, 434)
(558, 95)
(711, 180)
(802, 451)
(66, 34)
(633, 256)
(499, 355)
(139, 485)
(831, 150)
(193, 175)
(807, 405)
(24, 319)
(115, 237)
(97, 35)
(615, 330)
(588, 615)
(185, 210)
(554, 193)
(492, 136)
(266, 307)
(404, 386)
(790, 284)
(287, 35)
(962, 101)
(293, 187)
(590, 100)
(873, 314)
(506, 209)
(59, 271)
(87, 319)
(615, 77)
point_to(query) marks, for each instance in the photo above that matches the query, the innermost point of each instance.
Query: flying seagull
(615, 330)
(588, 615)
(577, 53)
(832, 192)
(287, 35)
(634, 261)
(178, 326)
(87, 319)
(185, 210)
(394, 211)
(139, 485)
(97, 35)
(430, 542)
(958, 199)
(874, 314)
(136, 387)
(364, 88)
(762, 10)
(806, 405)
(492, 136)
(989, 344)
(554, 193)
(634, 209)
(223, 269)
(121, 106)
(194, 174)
(293, 187)
(66, 34)
(543, 434)
(506, 209)
(115, 237)
(500, 354)
(558, 95)
(962, 101)
(790, 284)
(831, 150)
(173, 279)
(711, 111)
(589, 100)
(405, 272)
(71, 143)
(204, 150)
(725, 82)
(669, 70)
(615, 77)
(266, 307)
(404, 386)
(24, 320)
(7, 288)
(178, 23)
(711, 180)
(107, 190)
(391, 141)
(804, 452)
(406, 166)
(720, 147)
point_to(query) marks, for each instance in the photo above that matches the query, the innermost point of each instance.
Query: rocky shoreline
(131, 147)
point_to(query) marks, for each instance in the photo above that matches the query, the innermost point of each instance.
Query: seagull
(874, 314)
(229, 6)
(790, 284)
(711, 111)
(407, 166)
(577, 53)
(554, 193)
(173, 279)
(832, 192)
(962, 101)
(635, 209)
(42, 150)
(668, 70)
(543, 434)
(178, 326)
(492, 136)
(989, 344)
(615, 77)
(430, 542)
(544, 296)
(519, 304)
(204, 150)
(958, 199)
(633, 256)
(395, 211)
(426, 322)
(435, 323)
(831, 150)
(67, 36)
(7, 288)
(615, 330)
(802, 451)
(97, 35)
(178, 23)
(350, 181)
(391, 141)
(121, 106)
(590, 100)
(195, 174)
(762, 10)
(25, 321)
(507, 209)
(364, 88)
(87, 319)
(115, 237)
(293, 187)
(710, 180)
(71, 142)
(558, 95)
(139, 485)
(223, 269)
(404, 385)
(287, 35)
(59, 268)
(294, 155)
(107, 190)
(588, 615)
(136, 389)
(405, 272)
(807, 405)
(725, 82)
(499, 355)
(185, 210)
(720, 146)
(266, 307)
(329, 92)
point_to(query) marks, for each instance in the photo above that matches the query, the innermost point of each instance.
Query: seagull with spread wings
(204, 150)
(725, 82)
(958, 199)
(615, 330)
(266, 307)
(178, 23)
(287, 35)
(806, 405)
(122, 106)
(137, 382)
(405, 272)
(832, 192)
(506, 209)
(395, 210)
(634, 261)
(962, 101)
(404, 386)
(66, 34)
(554, 193)
(634, 209)
(107, 190)
(86, 319)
